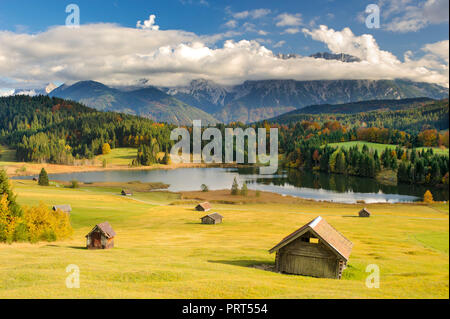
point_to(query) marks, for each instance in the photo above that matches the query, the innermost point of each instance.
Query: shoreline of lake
(308, 185)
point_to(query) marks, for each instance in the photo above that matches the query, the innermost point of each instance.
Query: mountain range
(256, 100)
(148, 102)
(250, 101)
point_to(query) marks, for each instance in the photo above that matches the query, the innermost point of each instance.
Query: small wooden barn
(316, 249)
(65, 208)
(203, 207)
(101, 237)
(126, 192)
(364, 213)
(211, 219)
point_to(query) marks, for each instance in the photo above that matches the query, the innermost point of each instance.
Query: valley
(162, 250)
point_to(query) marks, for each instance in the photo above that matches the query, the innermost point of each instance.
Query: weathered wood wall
(308, 259)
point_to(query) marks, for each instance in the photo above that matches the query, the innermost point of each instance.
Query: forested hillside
(45, 129)
(426, 115)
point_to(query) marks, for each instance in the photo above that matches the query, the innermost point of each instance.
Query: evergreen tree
(235, 187)
(43, 178)
(5, 188)
(244, 189)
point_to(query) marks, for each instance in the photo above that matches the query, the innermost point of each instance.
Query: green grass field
(7, 155)
(162, 251)
(119, 156)
(382, 147)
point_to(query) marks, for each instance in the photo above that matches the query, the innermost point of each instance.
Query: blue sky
(209, 17)
(407, 26)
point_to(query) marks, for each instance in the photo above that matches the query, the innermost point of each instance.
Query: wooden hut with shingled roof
(316, 249)
(126, 192)
(203, 207)
(212, 219)
(64, 208)
(364, 213)
(101, 237)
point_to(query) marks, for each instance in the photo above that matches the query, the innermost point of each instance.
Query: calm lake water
(317, 186)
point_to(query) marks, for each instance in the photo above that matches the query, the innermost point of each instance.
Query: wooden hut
(101, 237)
(203, 207)
(316, 249)
(212, 219)
(65, 208)
(364, 213)
(126, 192)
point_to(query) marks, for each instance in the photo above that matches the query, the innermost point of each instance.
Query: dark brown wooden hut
(101, 237)
(203, 207)
(64, 208)
(126, 192)
(364, 213)
(211, 219)
(316, 249)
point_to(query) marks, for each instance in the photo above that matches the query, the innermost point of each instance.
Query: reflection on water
(317, 186)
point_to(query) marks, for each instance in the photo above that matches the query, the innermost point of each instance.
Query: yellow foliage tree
(428, 197)
(45, 224)
(106, 149)
(8, 222)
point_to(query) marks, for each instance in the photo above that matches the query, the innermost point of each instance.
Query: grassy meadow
(162, 250)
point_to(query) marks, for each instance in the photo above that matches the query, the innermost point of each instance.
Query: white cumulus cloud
(117, 55)
(287, 19)
(148, 24)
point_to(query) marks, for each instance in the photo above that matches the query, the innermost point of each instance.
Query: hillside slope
(148, 102)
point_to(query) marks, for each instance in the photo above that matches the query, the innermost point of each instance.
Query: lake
(317, 186)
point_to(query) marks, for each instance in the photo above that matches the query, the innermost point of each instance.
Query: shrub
(74, 184)
(204, 188)
(428, 197)
(43, 178)
(106, 149)
(258, 193)
(45, 224)
(244, 189)
(104, 163)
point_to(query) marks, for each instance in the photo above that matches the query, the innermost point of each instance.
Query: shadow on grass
(258, 264)
(351, 216)
(71, 247)
(78, 247)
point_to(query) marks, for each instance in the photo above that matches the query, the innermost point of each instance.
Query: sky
(170, 43)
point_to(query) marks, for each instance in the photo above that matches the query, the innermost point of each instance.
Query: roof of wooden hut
(64, 208)
(215, 216)
(205, 205)
(364, 210)
(105, 228)
(324, 231)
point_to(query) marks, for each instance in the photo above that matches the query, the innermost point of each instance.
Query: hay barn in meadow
(212, 219)
(65, 208)
(101, 237)
(126, 192)
(316, 249)
(203, 207)
(364, 213)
